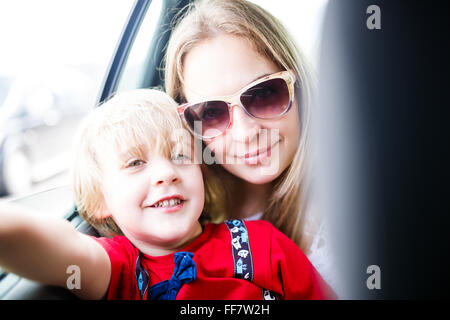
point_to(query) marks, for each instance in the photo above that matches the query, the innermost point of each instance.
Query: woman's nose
(243, 128)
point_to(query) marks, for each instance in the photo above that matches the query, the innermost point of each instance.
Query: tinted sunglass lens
(267, 99)
(213, 116)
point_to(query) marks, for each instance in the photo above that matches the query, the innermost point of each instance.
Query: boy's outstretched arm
(42, 248)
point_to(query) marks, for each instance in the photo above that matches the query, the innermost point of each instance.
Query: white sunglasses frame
(234, 100)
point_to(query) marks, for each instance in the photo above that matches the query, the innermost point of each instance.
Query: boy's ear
(103, 211)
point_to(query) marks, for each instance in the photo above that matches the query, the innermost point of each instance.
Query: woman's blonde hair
(288, 204)
(130, 121)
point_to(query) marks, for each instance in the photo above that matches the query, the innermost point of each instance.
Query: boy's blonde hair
(129, 121)
(287, 206)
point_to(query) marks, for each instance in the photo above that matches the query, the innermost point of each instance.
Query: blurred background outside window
(53, 59)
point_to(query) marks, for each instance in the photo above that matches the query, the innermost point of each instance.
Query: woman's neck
(250, 199)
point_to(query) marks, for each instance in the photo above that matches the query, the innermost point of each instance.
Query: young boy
(135, 178)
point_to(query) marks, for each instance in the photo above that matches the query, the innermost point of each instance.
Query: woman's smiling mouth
(259, 156)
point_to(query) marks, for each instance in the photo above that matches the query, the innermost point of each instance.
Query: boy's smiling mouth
(171, 202)
(167, 203)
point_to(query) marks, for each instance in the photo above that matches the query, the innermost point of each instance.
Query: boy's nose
(168, 179)
(164, 173)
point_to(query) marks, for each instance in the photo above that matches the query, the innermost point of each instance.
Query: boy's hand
(41, 248)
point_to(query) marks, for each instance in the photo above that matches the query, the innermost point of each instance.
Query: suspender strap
(141, 277)
(242, 256)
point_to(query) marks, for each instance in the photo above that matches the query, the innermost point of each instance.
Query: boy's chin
(176, 240)
(176, 235)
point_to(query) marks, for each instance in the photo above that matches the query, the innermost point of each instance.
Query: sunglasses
(267, 98)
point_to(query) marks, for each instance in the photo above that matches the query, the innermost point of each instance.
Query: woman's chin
(255, 174)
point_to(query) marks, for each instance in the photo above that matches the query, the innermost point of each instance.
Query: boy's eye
(134, 163)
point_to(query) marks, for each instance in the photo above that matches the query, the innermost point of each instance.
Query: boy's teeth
(167, 203)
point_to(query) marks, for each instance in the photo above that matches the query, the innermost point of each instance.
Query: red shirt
(278, 264)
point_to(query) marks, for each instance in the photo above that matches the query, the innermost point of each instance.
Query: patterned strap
(141, 277)
(242, 256)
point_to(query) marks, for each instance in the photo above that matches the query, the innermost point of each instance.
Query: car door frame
(153, 77)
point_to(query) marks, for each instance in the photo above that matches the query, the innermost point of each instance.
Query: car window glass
(134, 70)
(5, 84)
(303, 19)
(52, 64)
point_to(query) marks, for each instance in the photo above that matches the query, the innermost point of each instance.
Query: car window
(5, 84)
(134, 70)
(52, 64)
(303, 19)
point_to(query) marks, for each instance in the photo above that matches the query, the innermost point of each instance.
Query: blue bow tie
(185, 271)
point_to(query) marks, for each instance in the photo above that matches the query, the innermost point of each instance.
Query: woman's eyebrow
(250, 82)
(259, 77)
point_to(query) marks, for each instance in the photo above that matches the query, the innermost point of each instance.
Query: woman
(243, 79)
